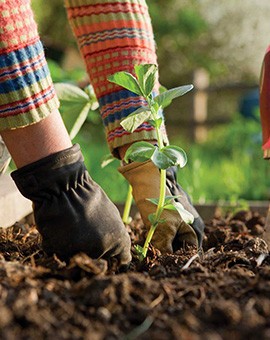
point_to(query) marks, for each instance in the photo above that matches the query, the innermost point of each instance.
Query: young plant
(162, 156)
(77, 106)
(126, 218)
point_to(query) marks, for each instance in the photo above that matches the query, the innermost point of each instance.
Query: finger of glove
(198, 224)
(162, 239)
(120, 261)
(121, 253)
(183, 238)
(164, 246)
(124, 258)
(183, 198)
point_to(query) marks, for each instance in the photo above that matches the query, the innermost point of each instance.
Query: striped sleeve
(26, 90)
(114, 36)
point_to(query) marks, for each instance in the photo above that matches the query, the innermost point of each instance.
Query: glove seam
(131, 166)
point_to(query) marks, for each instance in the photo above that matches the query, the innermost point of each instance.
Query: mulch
(221, 294)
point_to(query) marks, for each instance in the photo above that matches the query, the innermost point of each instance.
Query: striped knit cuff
(114, 36)
(26, 90)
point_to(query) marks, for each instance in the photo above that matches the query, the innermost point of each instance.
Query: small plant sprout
(126, 218)
(77, 106)
(126, 214)
(162, 156)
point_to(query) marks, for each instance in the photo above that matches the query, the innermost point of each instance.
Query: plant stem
(127, 208)
(162, 190)
(158, 212)
(148, 239)
(155, 116)
(159, 139)
(161, 193)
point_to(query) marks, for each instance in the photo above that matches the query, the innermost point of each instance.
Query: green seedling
(77, 106)
(162, 156)
(126, 218)
(126, 213)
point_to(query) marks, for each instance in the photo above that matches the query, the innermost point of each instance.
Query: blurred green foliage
(77, 106)
(53, 23)
(183, 40)
(59, 75)
(229, 165)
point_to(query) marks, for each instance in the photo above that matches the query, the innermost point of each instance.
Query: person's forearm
(31, 143)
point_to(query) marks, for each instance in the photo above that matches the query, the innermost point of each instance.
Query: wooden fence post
(200, 99)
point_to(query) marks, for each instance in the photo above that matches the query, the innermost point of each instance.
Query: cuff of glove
(133, 166)
(47, 171)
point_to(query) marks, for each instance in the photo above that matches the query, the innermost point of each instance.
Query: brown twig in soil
(168, 292)
(31, 256)
(190, 261)
(157, 301)
(29, 233)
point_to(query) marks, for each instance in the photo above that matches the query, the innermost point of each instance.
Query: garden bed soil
(224, 294)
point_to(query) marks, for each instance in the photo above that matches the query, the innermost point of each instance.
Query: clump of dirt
(222, 294)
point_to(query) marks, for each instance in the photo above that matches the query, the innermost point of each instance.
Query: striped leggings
(113, 35)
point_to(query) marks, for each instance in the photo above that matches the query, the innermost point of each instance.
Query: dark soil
(225, 294)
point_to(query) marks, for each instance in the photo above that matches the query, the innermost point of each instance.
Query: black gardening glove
(176, 190)
(72, 212)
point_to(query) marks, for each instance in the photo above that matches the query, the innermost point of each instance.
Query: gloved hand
(72, 212)
(145, 181)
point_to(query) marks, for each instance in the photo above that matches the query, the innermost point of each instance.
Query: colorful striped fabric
(114, 36)
(26, 91)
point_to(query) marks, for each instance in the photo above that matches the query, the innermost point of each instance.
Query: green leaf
(162, 89)
(170, 199)
(162, 220)
(139, 251)
(139, 152)
(168, 156)
(79, 120)
(74, 108)
(71, 94)
(93, 117)
(156, 123)
(147, 76)
(161, 160)
(138, 247)
(126, 80)
(136, 118)
(164, 99)
(176, 154)
(186, 215)
(154, 222)
(153, 200)
(152, 218)
(107, 159)
(89, 90)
